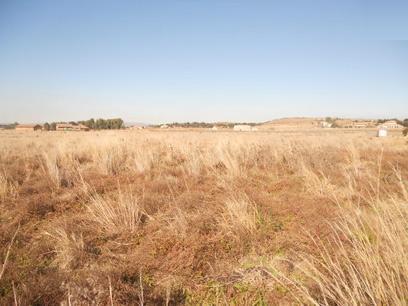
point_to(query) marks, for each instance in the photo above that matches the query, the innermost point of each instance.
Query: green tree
(46, 126)
(99, 124)
(90, 123)
(53, 126)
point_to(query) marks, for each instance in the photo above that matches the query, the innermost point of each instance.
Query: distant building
(359, 125)
(344, 123)
(392, 124)
(214, 128)
(325, 124)
(354, 124)
(28, 127)
(242, 128)
(164, 126)
(382, 132)
(71, 127)
(136, 127)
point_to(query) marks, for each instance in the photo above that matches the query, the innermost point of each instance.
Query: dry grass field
(203, 218)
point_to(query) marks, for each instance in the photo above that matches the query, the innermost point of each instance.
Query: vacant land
(165, 218)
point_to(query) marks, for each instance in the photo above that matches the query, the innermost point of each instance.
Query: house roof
(71, 126)
(64, 125)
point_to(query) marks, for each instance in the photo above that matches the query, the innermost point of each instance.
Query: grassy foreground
(210, 218)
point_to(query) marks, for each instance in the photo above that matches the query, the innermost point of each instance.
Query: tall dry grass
(365, 263)
(52, 168)
(7, 187)
(239, 215)
(122, 213)
(193, 207)
(68, 247)
(369, 262)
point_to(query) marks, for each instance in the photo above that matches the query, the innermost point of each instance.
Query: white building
(214, 128)
(392, 124)
(164, 126)
(382, 132)
(325, 124)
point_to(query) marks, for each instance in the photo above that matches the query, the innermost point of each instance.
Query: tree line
(203, 124)
(98, 124)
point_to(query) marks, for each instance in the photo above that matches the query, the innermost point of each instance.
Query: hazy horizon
(130, 122)
(202, 61)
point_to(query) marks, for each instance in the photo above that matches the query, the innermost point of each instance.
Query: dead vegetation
(168, 218)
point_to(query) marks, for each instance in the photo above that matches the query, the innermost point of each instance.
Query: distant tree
(46, 126)
(405, 122)
(405, 132)
(119, 123)
(9, 126)
(53, 126)
(90, 123)
(100, 124)
(114, 124)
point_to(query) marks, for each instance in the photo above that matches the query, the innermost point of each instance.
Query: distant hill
(294, 122)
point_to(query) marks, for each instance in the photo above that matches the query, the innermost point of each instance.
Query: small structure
(325, 124)
(242, 128)
(164, 126)
(359, 125)
(136, 127)
(392, 124)
(382, 132)
(71, 127)
(28, 127)
(82, 127)
(214, 128)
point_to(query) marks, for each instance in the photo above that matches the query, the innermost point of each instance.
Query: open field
(213, 218)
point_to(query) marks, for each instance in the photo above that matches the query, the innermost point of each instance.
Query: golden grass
(312, 217)
(68, 247)
(52, 168)
(369, 264)
(239, 215)
(7, 188)
(120, 214)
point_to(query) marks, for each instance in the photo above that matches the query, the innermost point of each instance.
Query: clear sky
(191, 60)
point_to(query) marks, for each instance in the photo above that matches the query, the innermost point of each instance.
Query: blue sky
(190, 60)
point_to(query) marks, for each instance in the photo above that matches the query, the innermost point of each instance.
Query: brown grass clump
(369, 264)
(52, 168)
(119, 214)
(68, 247)
(203, 218)
(364, 263)
(7, 188)
(239, 215)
